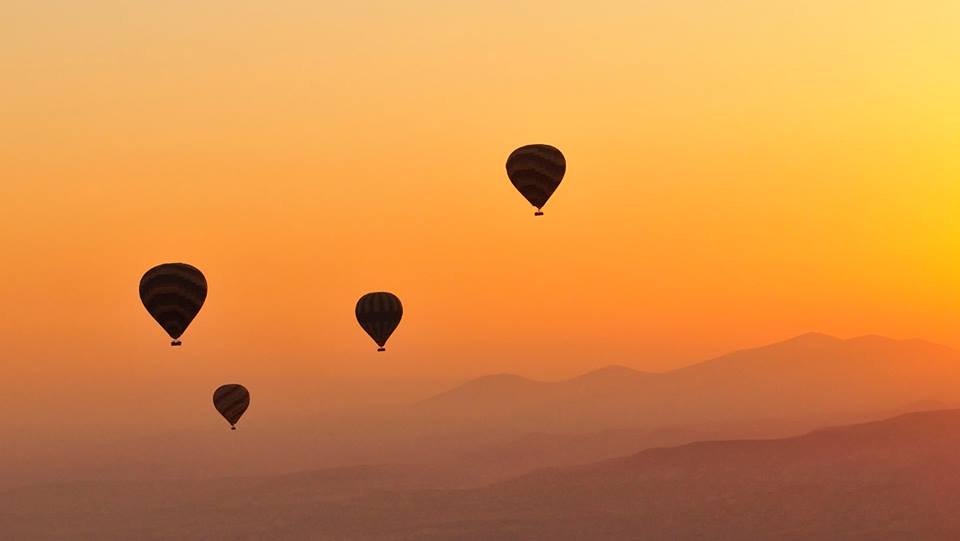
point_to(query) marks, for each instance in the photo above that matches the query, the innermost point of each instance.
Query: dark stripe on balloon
(161, 300)
(195, 297)
(553, 169)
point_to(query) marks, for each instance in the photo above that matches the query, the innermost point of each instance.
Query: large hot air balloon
(379, 314)
(173, 294)
(231, 401)
(536, 171)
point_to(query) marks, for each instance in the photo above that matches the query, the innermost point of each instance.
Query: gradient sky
(738, 172)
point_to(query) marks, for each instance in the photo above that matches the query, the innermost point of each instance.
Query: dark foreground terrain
(892, 479)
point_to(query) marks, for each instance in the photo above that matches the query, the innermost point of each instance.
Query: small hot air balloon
(536, 171)
(379, 314)
(231, 401)
(173, 294)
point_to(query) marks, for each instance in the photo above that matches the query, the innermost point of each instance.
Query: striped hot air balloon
(536, 171)
(379, 314)
(231, 401)
(173, 294)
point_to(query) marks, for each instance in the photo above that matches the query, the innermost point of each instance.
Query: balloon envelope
(379, 314)
(173, 294)
(536, 171)
(231, 401)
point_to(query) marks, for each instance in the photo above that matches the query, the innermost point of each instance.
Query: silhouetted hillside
(886, 480)
(893, 479)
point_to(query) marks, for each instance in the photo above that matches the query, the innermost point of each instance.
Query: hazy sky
(738, 172)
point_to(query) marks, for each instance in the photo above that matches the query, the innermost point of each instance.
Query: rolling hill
(885, 480)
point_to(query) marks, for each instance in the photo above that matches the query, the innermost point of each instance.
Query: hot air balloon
(231, 401)
(536, 171)
(173, 294)
(379, 314)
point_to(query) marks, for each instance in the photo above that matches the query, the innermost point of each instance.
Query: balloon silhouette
(536, 171)
(173, 294)
(379, 314)
(231, 401)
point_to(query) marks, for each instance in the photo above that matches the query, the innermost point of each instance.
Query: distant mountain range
(813, 377)
(888, 480)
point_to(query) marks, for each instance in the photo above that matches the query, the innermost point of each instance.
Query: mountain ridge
(806, 339)
(812, 376)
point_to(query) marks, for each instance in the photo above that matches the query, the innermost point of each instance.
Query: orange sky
(736, 174)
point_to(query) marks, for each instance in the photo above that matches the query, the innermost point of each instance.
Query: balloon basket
(381, 349)
(233, 428)
(176, 343)
(538, 213)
